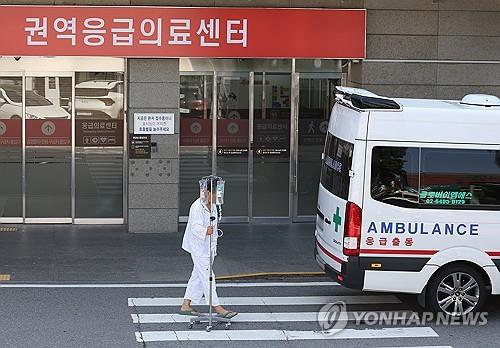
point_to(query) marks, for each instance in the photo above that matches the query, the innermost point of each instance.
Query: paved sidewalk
(62, 253)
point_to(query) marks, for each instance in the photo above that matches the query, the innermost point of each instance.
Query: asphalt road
(104, 317)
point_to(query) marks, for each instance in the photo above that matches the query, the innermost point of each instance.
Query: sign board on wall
(139, 146)
(182, 32)
(154, 123)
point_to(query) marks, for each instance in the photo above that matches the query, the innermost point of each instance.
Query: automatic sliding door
(11, 154)
(99, 124)
(195, 136)
(232, 141)
(316, 98)
(271, 145)
(48, 144)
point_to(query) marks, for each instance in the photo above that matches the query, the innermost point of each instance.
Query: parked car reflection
(37, 107)
(99, 99)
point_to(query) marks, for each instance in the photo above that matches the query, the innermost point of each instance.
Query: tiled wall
(154, 183)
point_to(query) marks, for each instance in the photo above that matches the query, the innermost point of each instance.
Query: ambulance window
(394, 176)
(460, 177)
(336, 165)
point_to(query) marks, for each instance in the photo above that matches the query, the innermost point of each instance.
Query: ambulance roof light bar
(363, 99)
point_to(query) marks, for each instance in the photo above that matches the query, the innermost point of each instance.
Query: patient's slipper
(228, 314)
(190, 312)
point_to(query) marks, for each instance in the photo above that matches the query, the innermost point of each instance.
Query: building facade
(259, 122)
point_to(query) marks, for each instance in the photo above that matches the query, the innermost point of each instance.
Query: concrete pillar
(154, 183)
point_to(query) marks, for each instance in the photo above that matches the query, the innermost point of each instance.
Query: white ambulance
(409, 199)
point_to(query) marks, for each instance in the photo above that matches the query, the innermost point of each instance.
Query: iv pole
(209, 318)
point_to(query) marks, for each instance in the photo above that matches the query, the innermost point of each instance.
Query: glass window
(446, 178)
(271, 145)
(316, 101)
(195, 105)
(11, 155)
(232, 141)
(48, 147)
(99, 141)
(394, 176)
(460, 177)
(336, 165)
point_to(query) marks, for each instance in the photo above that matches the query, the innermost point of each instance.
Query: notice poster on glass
(99, 109)
(271, 137)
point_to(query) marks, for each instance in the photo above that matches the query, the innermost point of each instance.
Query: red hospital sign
(182, 32)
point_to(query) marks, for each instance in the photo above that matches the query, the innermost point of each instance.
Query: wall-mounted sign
(98, 133)
(154, 123)
(139, 146)
(182, 32)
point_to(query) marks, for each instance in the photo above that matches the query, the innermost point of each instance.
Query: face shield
(212, 190)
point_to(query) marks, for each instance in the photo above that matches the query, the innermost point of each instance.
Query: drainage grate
(8, 229)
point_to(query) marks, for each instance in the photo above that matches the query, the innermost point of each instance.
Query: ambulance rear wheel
(457, 291)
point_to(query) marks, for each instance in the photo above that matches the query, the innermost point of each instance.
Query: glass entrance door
(11, 150)
(232, 142)
(48, 148)
(62, 136)
(271, 146)
(239, 129)
(316, 96)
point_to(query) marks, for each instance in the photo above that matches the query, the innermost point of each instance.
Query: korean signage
(271, 137)
(154, 123)
(312, 131)
(196, 132)
(232, 137)
(139, 146)
(99, 133)
(11, 132)
(48, 132)
(182, 32)
(445, 197)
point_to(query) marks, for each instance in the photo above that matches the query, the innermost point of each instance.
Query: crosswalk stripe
(270, 301)
(282, 335)
(261, 317)
(419, 347)
(172, 285)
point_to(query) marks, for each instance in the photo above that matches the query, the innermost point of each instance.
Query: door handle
(328, 221)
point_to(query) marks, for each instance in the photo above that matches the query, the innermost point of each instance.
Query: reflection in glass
(11, 147)
(99, 95)
(336, 165)
(271, 145)
(232, 141)
(394, 176)
(48, 147)
(316, 99)
(195, 102)
(99, 105)
(460, 177)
